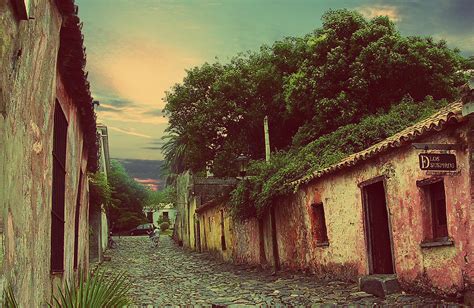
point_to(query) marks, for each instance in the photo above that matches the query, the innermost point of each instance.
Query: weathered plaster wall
(212, 232)
(439, 269)
(182, 227)
(28, 54)
(76, 162)
(246, 245)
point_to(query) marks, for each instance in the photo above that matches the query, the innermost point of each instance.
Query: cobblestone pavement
(168, 275)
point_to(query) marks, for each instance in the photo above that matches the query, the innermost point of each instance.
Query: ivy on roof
(269, 181)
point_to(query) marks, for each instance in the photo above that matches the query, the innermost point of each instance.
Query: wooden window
(319, 220)
(77, 220)
(166, 216)
(439, 219)
(435, 209)
(58, 189)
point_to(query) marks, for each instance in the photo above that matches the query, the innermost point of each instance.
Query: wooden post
(267, 139)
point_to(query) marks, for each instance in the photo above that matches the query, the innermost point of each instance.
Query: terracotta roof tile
(434, 123)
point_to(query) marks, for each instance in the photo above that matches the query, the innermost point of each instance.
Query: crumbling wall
(442, 270)
(28, 79)
(246, 245)
(213, 232)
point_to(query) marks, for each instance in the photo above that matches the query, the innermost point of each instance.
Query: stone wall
(29, 86)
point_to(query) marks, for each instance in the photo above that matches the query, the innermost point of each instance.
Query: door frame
(365, 208)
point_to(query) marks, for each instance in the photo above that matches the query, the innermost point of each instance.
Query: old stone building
(48, 146)
(385, 210)
(192, 192)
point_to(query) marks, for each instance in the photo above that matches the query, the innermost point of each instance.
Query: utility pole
(276, 257)
(267, 139)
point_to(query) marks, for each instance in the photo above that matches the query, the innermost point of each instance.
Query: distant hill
(147, 172)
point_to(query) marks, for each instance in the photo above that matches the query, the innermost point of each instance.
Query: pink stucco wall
(442, 270)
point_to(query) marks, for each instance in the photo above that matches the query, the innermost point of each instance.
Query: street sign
(438, 162)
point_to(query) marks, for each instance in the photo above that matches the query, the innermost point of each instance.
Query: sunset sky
(137, 49)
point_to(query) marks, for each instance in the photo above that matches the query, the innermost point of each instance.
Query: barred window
(58, 189)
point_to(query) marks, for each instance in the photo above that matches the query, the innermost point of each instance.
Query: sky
(138, 49)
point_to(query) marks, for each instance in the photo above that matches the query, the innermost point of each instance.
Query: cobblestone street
(168, 275)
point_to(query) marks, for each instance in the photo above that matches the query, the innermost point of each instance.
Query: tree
(128, 198)
(308, 86)
(156, 199)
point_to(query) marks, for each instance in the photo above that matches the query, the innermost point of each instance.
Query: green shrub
(98, 290)
(268, 181)
(9, 298)
(164, 226)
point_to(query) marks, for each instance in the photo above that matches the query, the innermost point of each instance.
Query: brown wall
(29, 85)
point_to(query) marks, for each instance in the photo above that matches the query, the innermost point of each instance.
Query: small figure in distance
(155, 236)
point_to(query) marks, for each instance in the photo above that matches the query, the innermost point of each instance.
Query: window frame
(434, 232)
(320, 225)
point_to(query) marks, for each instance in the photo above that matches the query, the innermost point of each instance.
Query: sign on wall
(438, 162)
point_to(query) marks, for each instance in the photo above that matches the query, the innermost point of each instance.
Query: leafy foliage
(164, 226)
(100, 192)
(128, 198)
(9, 300)
(155, 199)
(98, 290)
(326, 94)
(268, 181)
(308, 86)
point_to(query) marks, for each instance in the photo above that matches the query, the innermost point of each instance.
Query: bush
(164, 226)
(268, 181)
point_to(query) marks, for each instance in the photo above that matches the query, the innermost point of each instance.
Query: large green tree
(128, 197)
(307, 86)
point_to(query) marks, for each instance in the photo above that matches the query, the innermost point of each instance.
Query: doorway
(377, 227)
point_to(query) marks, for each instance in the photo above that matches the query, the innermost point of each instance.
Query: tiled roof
(434, 123)
(71, 64)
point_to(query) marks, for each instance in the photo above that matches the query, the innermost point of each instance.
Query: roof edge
(446, 116)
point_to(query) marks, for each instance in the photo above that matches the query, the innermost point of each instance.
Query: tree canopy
(334, 91)
(308, 86)
(128, 198)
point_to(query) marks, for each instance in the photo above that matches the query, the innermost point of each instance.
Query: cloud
(463, 41)
(109, 108)
(155, 113)
(371, 11)
(129, 132)
(159, 142)
(120, 102)
(152, 148)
